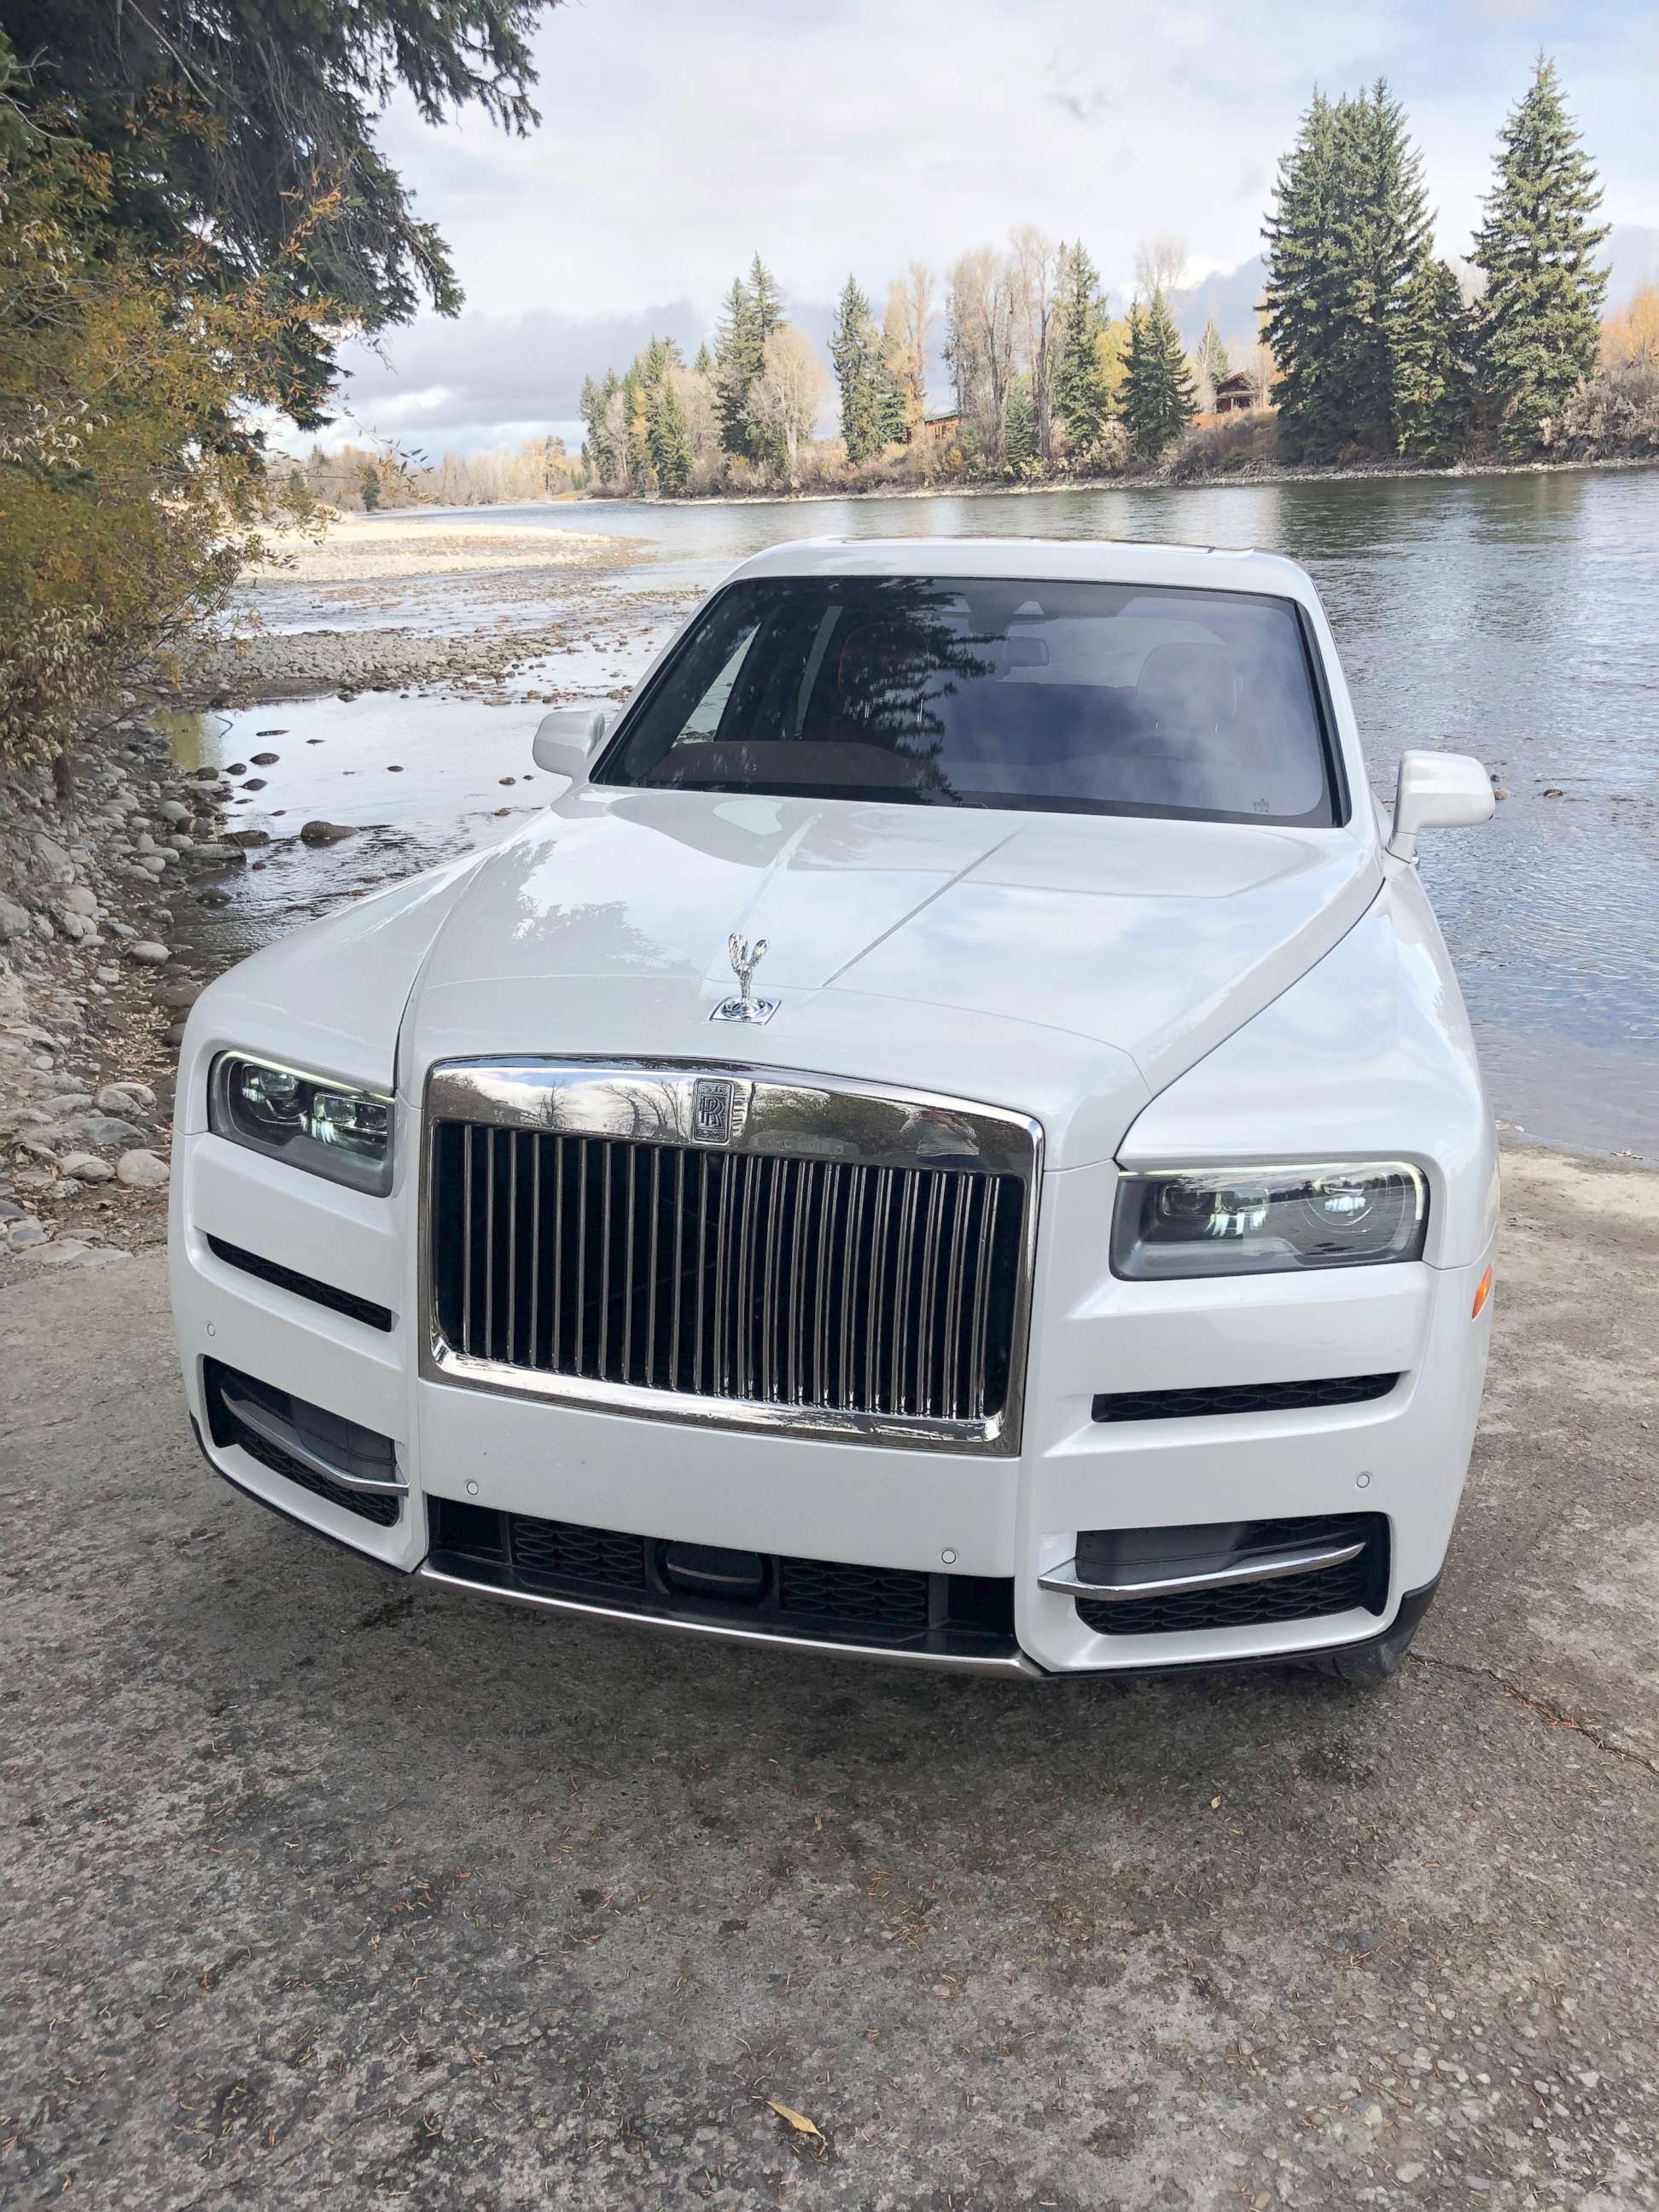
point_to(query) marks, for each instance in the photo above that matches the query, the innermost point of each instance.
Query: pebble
(152, 954)
(142, 1170)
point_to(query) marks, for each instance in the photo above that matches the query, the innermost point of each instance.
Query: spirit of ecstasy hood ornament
(745, 1007)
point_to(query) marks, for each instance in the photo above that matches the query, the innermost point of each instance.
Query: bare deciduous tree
(905, 325)
(790, 391)
(1160, 265)
(982, 343)
(1033, 273)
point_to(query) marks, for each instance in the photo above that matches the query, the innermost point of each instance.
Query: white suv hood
(1066, 968)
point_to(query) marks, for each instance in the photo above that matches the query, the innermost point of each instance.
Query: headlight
(330, 1128)
(1258, 1221)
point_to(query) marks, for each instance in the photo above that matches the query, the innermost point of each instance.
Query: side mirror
(568, 738)
(1438, 790)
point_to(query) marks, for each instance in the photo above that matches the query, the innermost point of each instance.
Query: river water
(1516, 616)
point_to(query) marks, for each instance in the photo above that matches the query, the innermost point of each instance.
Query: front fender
(1370, 1054)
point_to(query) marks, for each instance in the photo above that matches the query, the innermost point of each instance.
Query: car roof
(1072, 560)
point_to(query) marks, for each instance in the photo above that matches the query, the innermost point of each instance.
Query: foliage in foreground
(192, 215)
(125, 501)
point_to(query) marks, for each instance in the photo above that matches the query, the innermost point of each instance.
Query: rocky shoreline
(93, 997)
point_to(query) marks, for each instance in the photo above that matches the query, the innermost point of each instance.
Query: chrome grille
(754, 1281)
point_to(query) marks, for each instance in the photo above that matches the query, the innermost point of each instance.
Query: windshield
(1077, 698)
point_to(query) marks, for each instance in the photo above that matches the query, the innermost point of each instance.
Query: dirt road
(324, 1889)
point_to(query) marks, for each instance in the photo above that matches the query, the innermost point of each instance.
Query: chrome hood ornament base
(745, 1007)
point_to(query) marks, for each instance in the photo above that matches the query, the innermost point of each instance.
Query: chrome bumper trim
(1266, 1567)
(287, 1439)
(1016, 1665)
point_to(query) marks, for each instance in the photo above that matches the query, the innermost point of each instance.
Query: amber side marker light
(1482, 1292)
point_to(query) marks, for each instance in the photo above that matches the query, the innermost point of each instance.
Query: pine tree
(1212, 360)
(766, 302)
(636, 426)
(1156, 401)
(737, 364)
(667, 440)
(1540, 323)
(1384, 228)
(1020, 439)
(1434, 382)
(1301, 280)
(851, 344)
(704, 363)
(598, 447)
(1212, 356)
(1346, 240)
(1082, 396)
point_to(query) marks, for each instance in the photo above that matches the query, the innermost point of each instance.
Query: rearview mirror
(1438, 790)
(567, 739)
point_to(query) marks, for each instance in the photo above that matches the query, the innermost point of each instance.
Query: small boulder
(246, 838)
(265, 759)
(174, 810)
(142, 1170)
(323, 833)
(86, 1167)
(152, 954)
(107, 1129)
(122, 1097)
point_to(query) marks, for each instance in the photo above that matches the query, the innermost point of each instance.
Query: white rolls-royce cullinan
(953, 1138)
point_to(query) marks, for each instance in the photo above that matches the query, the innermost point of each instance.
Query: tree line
(1370, 347)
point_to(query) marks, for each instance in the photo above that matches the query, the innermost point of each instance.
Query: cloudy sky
(854, 134)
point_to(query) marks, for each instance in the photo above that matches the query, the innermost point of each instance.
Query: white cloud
(857, 133)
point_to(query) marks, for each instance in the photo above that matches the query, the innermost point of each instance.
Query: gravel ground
(323, 1888)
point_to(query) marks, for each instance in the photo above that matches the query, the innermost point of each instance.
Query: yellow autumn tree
(129, 486)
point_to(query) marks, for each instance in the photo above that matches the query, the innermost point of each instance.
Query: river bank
(1168, 475)
(387, 680)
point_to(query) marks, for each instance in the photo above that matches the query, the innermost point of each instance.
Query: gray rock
(244, 838)
(122, 1097)
(107, 1129)
(156, 863)
(53, 859)
(23, 1231)
(122, 929)
(325, 833)
(75, 898)
(68, 1101)
(142, 1170)
(174, 810)
(152, 954)
(264, 760)
(14, 921)
(87, 1166)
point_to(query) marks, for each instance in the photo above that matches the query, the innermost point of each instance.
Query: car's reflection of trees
(914, 652)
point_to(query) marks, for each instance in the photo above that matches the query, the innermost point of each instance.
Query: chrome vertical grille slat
(737, 1282)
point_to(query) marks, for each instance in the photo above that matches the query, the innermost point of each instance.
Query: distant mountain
(1228, 297)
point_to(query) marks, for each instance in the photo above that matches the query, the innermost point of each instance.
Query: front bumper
(1015, 1521)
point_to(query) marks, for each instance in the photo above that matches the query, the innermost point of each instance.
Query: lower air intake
(766, 1593)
